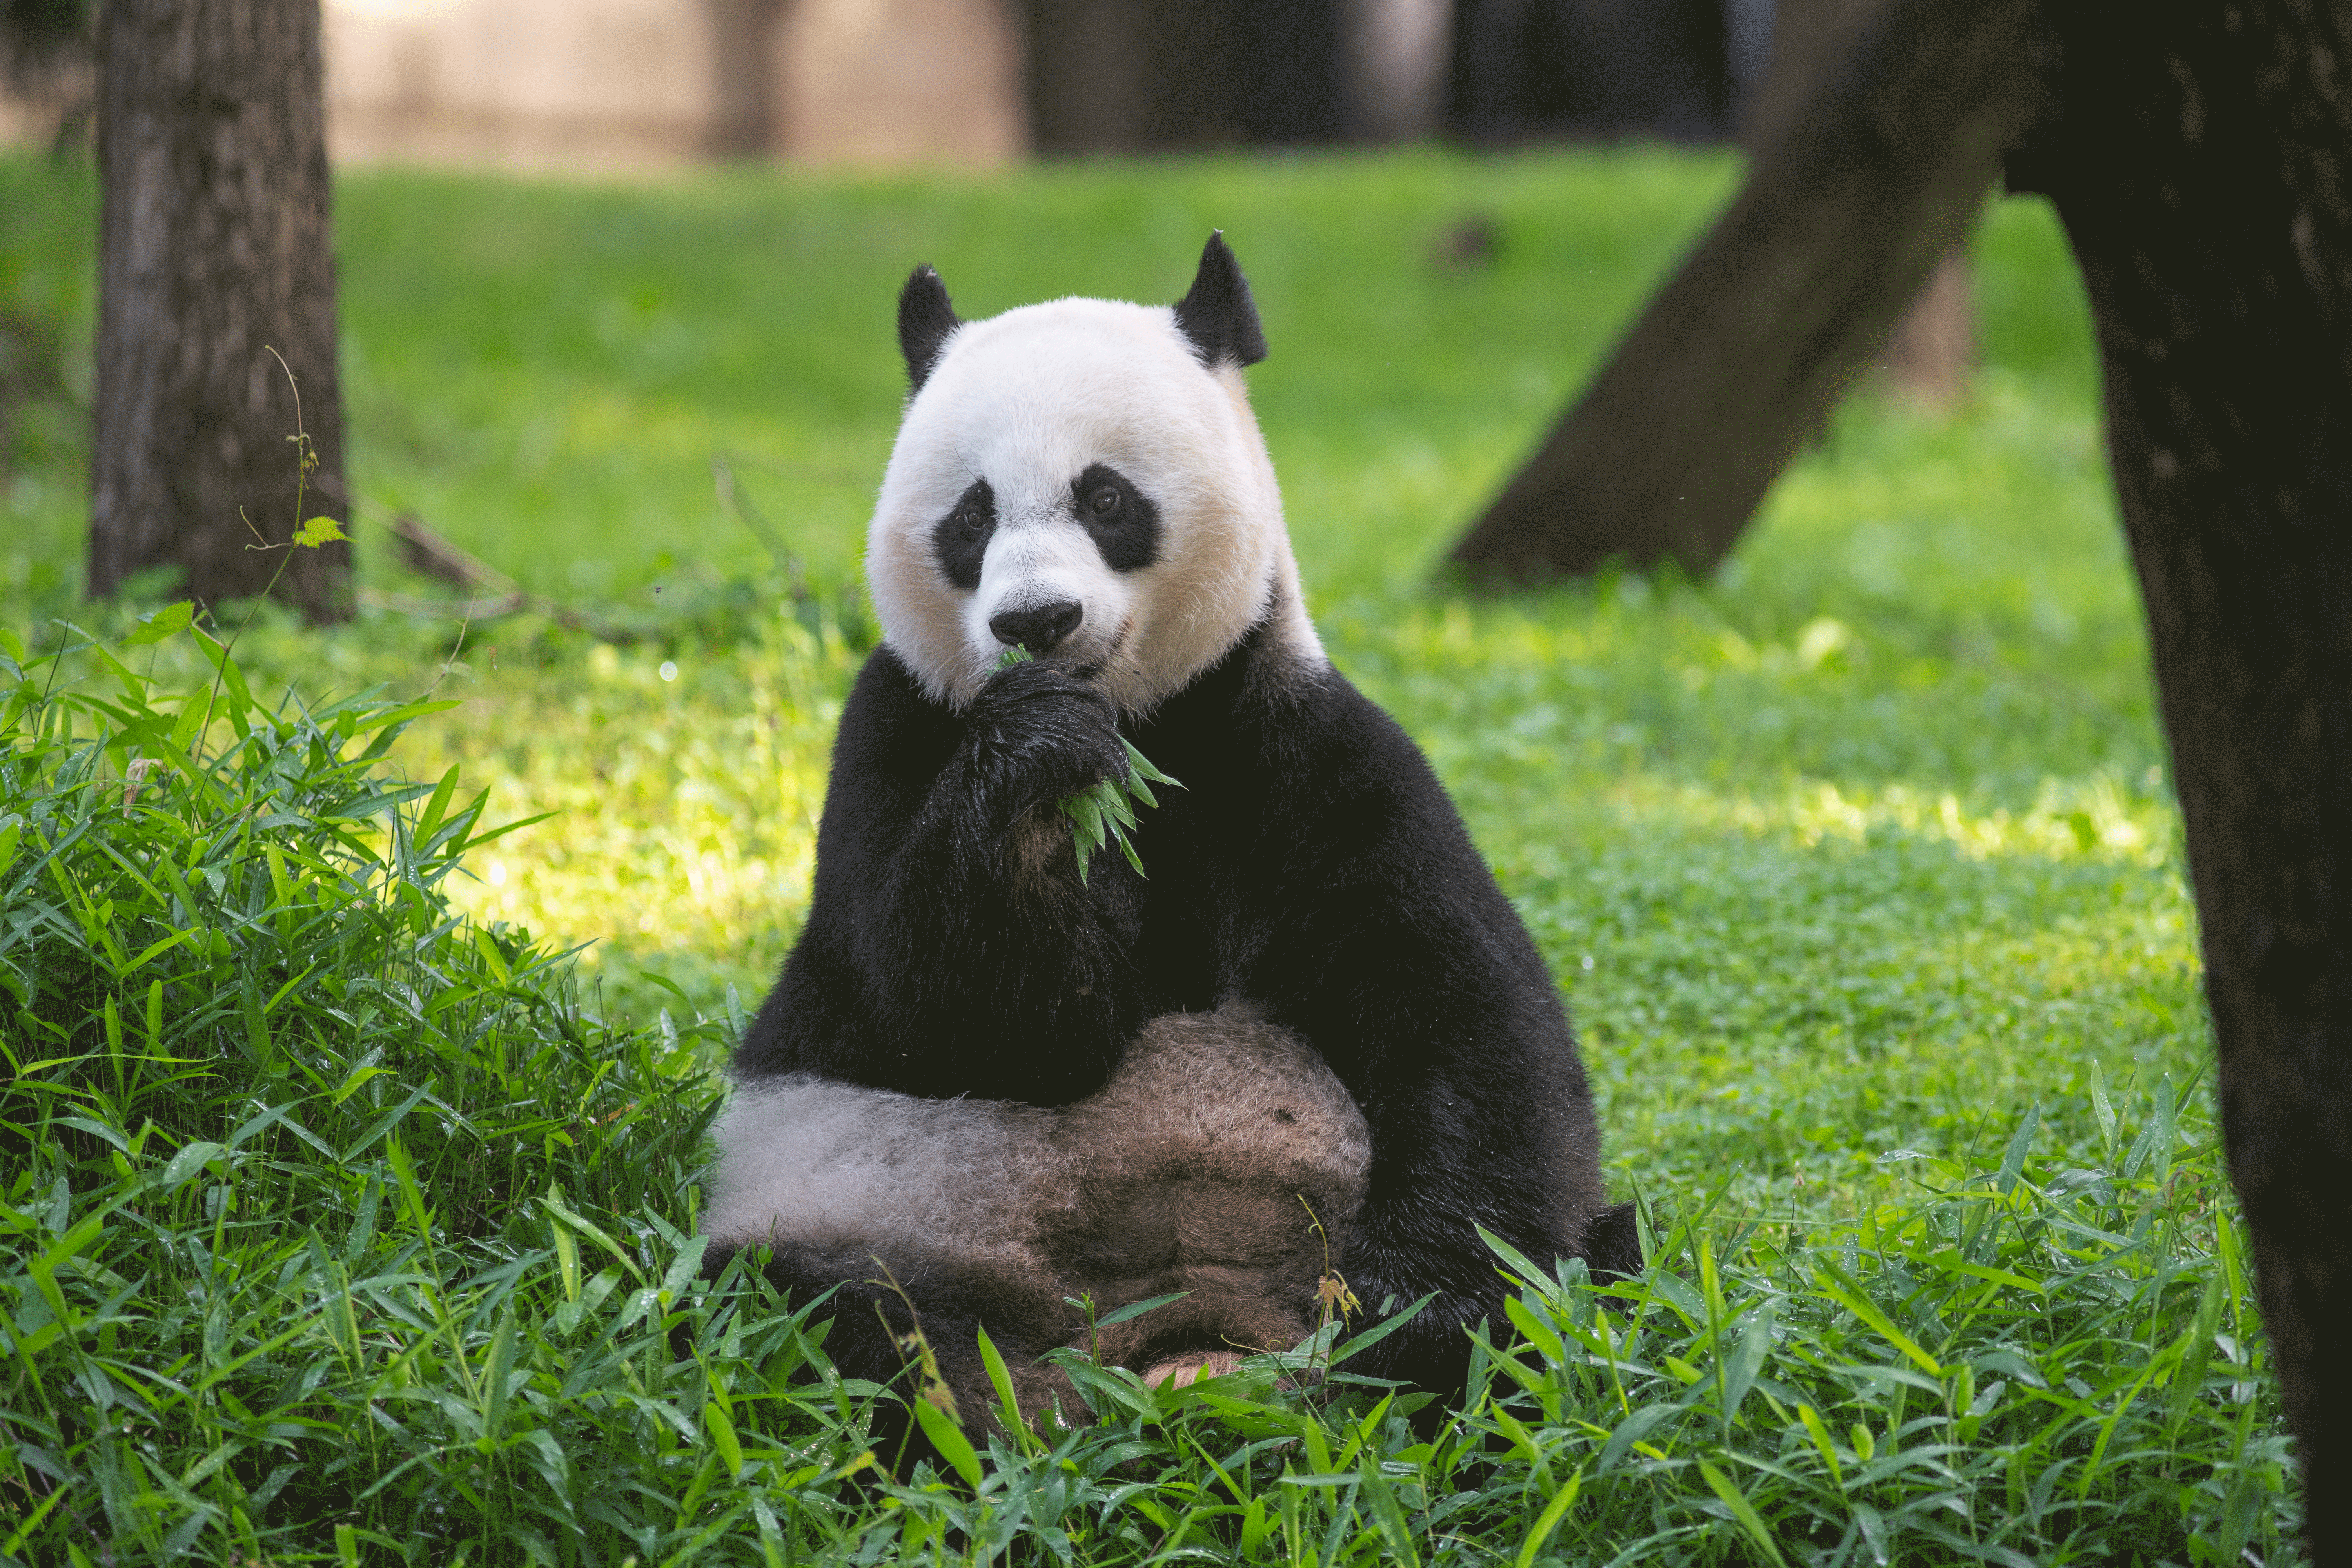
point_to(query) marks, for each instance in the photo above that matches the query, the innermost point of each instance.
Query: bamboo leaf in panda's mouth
(1100, 812)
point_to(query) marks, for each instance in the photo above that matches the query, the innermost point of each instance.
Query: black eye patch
(960, 540)
(1125, 524)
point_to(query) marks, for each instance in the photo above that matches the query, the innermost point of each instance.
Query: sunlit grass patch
(685, 804)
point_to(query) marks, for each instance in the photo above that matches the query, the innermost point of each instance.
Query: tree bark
(2199, 155)
(214, 247)
(1927, 358)
(1797, 286)
(1810, 39)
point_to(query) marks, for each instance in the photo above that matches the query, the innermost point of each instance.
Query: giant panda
(1008, 1086)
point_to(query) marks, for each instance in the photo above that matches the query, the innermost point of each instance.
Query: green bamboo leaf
(1855, 1300)
(1137, 1309)
(1084, 812)
(949, 1439)
(166, 622)
(1008, 1401)
(12, 831)
(1747, 1360)
(494, 1400)
(1549, 1520)
(2013, 1162)
(1743, 1510)
(720, 1426)
(1142, 765)
(1386, 1512)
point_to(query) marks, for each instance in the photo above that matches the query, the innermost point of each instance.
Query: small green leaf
(1000, 1377)
(1549, 1520)
(2012, 1164)
(163, 622)
(949, 1439)
(1137, 1309)
(1087, 814)
(496, 962)
(721, 1428)
(1386, 1512)
(319, 530)
(1742, 1510)
(494, 1391)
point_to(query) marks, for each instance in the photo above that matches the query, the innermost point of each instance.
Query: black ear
(1219, 315)
(926, 317)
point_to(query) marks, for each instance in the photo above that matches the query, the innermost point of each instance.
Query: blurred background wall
(602, 85)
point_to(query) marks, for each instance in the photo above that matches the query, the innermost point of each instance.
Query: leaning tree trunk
(214, 249)
(1740, 357)
(2199, 155)
(1926, 360)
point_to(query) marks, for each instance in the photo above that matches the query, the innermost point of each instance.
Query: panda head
(1085, 478)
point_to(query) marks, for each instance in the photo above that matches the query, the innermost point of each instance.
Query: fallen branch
(425, 550)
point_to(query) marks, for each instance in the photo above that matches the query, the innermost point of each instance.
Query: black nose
(1038, 629)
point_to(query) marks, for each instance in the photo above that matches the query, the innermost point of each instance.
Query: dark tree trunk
(2199, 155)
(1927, 358)
(213, 248)
(1797, 286)
(1810, 37)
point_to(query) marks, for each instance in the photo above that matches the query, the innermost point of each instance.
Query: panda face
(1077, 479)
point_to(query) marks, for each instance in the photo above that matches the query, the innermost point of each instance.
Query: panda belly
(1204, 1165)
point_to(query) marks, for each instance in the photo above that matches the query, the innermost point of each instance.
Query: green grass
(1852, 862)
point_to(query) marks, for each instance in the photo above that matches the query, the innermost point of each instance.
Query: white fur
(805, 1162)
(1027, 401)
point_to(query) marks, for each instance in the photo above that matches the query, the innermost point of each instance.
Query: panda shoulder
(1353, 771)
(1342, 726)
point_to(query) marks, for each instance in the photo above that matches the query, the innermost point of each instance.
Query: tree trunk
(2197, 155)
(1927, 358)
(1743, 353)
(214, 249)
(1810, 38)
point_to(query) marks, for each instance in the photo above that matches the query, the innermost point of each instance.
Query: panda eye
(1121, 519)
(971, 519)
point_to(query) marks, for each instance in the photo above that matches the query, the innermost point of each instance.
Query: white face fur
(1079, 454)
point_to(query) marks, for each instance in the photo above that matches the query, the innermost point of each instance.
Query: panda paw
(1044, 732)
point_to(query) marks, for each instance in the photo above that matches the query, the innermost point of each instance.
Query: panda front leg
(1034, 734)
(950, 949)
(1480, 1115)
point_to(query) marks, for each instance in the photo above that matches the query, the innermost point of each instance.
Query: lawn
(1857, 863)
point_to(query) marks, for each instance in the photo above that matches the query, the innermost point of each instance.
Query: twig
(451, 562)
(306, 459)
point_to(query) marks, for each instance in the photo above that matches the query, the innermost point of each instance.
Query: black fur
(1124, 523)
(926, 317)
(960, 538)
(1217, 313)
(1312, 865)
